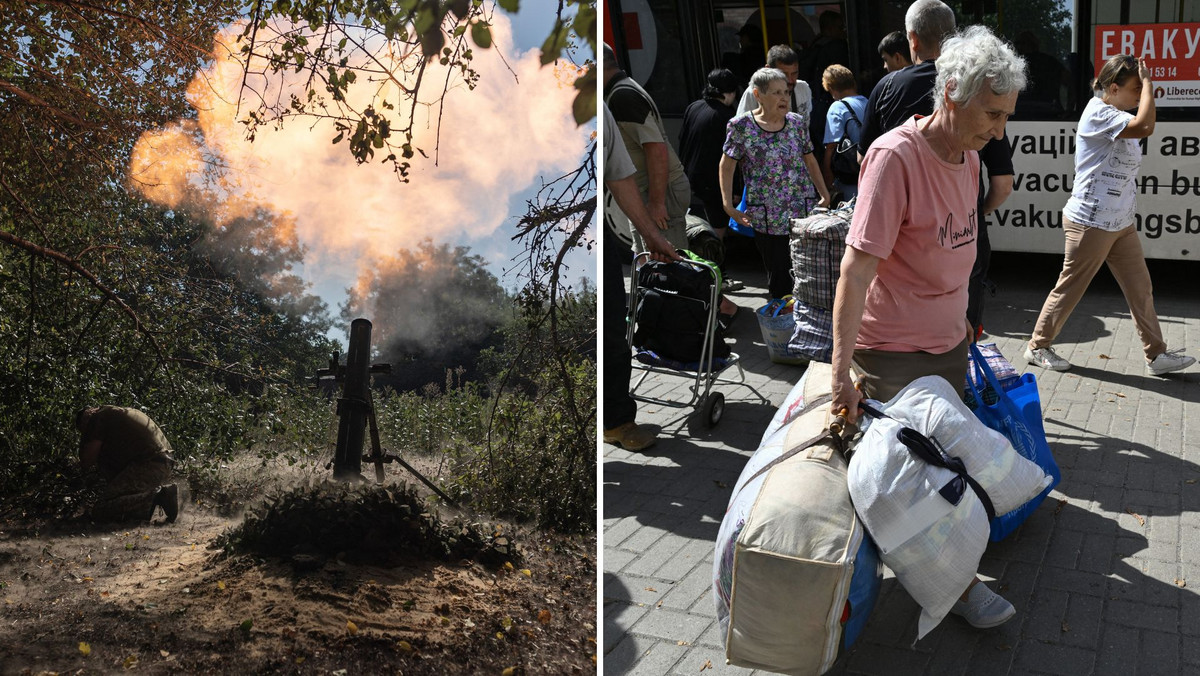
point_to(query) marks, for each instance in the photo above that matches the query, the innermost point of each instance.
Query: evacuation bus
(670, 45)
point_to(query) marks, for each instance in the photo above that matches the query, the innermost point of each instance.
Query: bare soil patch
(76, 598)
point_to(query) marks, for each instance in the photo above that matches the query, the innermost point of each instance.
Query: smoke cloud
(495, 141)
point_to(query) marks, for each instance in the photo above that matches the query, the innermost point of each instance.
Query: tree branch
(40, 102)
(70, 263)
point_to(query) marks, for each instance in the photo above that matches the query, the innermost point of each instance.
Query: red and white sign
(641, 37)
(1171, 52)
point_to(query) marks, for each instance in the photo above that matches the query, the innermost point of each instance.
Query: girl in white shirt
(1099, 216)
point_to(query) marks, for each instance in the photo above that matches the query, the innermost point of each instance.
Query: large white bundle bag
(934, 546)
(933, 407)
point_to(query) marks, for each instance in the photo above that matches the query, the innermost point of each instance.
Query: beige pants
(1088, 249)
(884, 374)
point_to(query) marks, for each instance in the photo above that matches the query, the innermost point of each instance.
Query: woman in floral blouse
(783, 179)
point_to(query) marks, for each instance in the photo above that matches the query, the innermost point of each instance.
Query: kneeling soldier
(134, 458)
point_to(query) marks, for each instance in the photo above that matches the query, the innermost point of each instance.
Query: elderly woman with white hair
(783, 179)
(901, 303)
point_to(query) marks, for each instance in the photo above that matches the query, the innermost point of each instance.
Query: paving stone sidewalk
(1104, 575)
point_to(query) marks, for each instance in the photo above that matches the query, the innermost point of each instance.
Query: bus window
(1160, 12)
(1041, 31)
(652, 35)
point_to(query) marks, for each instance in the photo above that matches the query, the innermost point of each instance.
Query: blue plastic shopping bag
(738, 227)
(1015, 412)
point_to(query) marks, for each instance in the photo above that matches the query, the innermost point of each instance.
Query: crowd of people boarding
(911, 284)
(913, 280)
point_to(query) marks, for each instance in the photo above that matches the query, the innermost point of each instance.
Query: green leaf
(555, 43)
(460, 8)
(432, 41)
(510, 6)
(584, 106)
(585, 25)
(425, 22)
(481, 34)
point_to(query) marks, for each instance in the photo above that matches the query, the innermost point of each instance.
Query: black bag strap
(929, 450)
(852, 115)
(629, 83)
(842, 146)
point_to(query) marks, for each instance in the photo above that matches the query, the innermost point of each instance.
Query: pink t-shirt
(917, 213)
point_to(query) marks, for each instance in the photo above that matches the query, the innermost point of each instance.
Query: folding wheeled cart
(703, 372)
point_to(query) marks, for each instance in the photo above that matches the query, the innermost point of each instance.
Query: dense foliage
(105, 298)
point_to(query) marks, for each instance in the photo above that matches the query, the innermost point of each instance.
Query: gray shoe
(984, 608)
(1168, 362)
(1046, 358)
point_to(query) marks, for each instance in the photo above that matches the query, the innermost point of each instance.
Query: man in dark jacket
(133, 456)
(906, 92)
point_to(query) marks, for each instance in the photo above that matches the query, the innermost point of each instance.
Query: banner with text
(1171, 52)
(1168, 211)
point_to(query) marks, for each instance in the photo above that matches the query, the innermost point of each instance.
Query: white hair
(972, 57)
(931, 20)
(763, 77)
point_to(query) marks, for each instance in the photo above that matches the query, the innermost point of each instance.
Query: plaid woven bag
(818, 242)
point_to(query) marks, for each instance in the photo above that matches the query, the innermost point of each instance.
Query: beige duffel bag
(795, 575)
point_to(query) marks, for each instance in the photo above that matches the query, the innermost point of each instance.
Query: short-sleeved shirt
(1105, 169)
(839, 121)
(126, 435)
(800, 101)
(639, 121)
(918, 214)
(778, 187)
(617, 164)
(897, 97)
(996, 155)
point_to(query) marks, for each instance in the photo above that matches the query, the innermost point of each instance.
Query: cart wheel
(716, 408)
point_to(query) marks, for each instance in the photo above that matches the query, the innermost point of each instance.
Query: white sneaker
(984, 608)
(1169, 361)
(1046, 358)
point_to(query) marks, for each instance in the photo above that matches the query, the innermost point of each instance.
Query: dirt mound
(370, 524)
(158, 599)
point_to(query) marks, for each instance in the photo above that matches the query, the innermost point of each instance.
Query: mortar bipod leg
(376, 447)
(380, 458)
